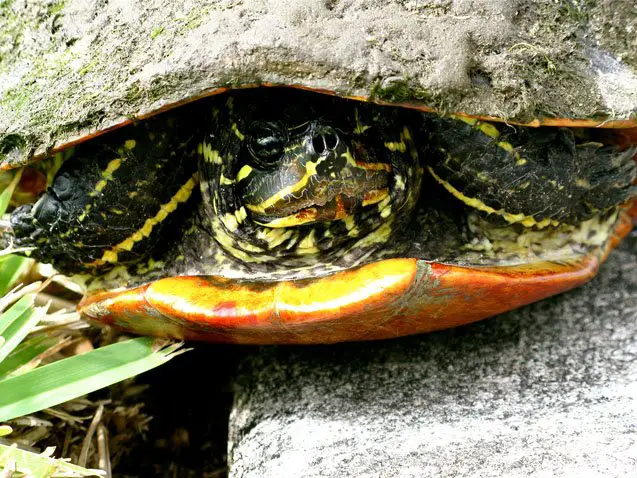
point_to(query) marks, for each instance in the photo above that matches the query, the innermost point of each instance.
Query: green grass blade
(5, 196)
(11, 267)
(31, 464)
(25, 353)
(16, 310)
(75, 376)
(19, 329)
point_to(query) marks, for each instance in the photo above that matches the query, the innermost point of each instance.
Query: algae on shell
(72, 68)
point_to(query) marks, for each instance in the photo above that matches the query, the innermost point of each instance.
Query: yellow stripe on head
(107, 175)
(310, 170)
(244, 172)
(236, 131)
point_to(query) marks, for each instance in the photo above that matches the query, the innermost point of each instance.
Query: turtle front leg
(115, 201)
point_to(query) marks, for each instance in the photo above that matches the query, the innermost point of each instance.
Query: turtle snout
(324, 140)
(327, 148)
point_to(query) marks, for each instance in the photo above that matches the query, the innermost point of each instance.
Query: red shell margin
(390, 298)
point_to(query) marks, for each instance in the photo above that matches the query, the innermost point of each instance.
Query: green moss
(55, 7)
(88, 67)
(156, 32)
(577, 11)
(399, 90)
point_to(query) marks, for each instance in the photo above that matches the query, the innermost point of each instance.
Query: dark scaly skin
(346, 145)
(228, 228)
(546, 175)
(106, 193)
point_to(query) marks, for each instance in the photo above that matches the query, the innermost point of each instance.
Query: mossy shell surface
(72, 69)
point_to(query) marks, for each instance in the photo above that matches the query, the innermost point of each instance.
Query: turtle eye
(266, 141)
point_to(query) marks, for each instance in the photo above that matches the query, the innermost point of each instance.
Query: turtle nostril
(318, 143)
(326, 139)
(331, 140)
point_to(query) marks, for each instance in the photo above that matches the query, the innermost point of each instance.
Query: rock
(547, 390)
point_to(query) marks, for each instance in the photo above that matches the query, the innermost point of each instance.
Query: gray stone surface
(69, 68)
(547, 390)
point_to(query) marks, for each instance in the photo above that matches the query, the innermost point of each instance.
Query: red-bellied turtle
(370, 205)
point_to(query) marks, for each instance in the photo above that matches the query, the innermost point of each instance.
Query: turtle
(275, 209)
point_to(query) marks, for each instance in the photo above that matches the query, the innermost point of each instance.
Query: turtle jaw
(389, 298)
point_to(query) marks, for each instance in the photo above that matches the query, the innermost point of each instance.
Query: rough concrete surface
(71, 68)
(547, 390)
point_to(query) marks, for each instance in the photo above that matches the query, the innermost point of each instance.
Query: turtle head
(303, 174)
(291, 183)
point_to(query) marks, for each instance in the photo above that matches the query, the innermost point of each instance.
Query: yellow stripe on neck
(111, 256)
(520, 218)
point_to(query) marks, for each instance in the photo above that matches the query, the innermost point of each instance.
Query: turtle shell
(71, 70)
(90, 69)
